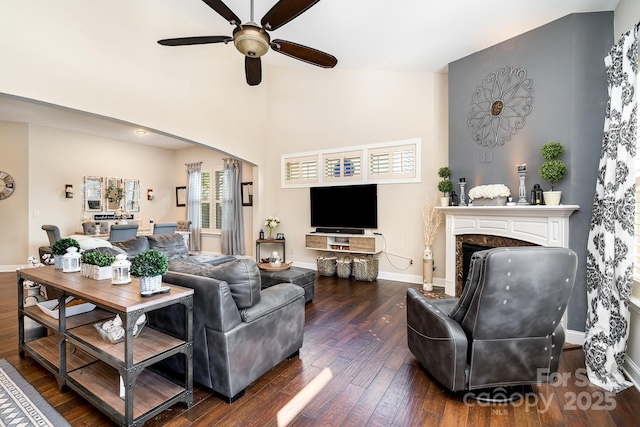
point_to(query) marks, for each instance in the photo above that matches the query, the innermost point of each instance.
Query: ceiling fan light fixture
(251, 41)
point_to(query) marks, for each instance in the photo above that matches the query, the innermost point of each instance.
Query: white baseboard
(11, 268)
(574, 337)
(398, 277)
(633, 372)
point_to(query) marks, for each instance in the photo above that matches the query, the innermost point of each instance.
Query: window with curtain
(211, 206)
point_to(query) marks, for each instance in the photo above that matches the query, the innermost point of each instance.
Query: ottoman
(303, 277)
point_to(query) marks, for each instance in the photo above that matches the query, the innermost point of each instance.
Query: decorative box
(496, 201)
(94, 272)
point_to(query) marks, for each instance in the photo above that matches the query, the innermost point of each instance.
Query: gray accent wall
(565, 60)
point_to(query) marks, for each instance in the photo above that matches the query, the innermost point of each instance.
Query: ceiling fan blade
(223, 11)
(185, 41)
(304, 53)
(253, 70)
(284, 11)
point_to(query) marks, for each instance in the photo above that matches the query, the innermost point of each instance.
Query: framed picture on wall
(247, 193)
(181, 196)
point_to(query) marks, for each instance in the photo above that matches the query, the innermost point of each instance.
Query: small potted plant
(59, 248)
(96, 265)
(149, 266)
(445, 185)
(553, 170)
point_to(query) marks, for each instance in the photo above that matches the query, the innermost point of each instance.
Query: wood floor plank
(358, 330)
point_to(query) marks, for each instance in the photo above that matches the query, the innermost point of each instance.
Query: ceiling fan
(253, 41)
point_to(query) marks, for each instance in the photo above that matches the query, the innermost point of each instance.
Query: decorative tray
(266, 266)
(50, 308)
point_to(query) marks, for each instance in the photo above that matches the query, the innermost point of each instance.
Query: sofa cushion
(278, 296)
(172, 245)
(133, 246)
(243, 278)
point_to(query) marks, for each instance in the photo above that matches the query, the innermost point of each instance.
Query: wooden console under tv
(351, 243)
(115, 378)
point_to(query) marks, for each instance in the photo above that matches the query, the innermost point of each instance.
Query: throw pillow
(243, 278)
(172, 245)
(133, 246)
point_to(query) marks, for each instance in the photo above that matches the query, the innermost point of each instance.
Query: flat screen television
(348, 206)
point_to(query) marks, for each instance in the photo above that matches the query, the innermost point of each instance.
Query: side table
(281, 241)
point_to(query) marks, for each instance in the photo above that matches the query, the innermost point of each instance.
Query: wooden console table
(97, 370)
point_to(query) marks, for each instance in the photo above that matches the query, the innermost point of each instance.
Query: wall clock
(7, 185)
(499, 106)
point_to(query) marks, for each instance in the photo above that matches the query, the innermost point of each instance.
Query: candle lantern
(71, 260)
(120, 271)
(454, 200)
(537, 198)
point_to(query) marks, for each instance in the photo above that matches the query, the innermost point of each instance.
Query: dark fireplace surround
(466, 244)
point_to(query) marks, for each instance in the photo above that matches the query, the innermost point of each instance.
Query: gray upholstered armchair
(89, 227)
(164, 228)
(183, 225)
(53, 234)
(120, 232)
(505, 329)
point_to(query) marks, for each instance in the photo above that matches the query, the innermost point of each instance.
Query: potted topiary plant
(445, 185)
(96, 265)
(552, 170)
(59, 248)
(149, 266)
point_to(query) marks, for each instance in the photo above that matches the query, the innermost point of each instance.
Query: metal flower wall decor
(499, 106)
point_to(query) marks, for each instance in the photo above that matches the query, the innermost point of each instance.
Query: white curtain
(194, 199)
(611, 238)
(232, 218)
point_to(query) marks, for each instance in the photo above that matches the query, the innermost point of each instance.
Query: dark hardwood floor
(358, 330)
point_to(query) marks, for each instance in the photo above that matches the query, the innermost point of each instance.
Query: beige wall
(311, 109)
(59, 157)
(14, 222)
(627, 14)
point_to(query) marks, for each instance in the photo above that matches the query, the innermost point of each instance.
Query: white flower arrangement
(122, 213)
(489, 191)
(272, 222)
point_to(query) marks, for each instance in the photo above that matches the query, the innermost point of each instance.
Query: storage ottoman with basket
(303, 277)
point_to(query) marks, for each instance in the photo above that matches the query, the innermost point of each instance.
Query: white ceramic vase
(444, 201)
(552, 198)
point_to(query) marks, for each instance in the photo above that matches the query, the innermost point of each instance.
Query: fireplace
(500, 226)
(467, 244)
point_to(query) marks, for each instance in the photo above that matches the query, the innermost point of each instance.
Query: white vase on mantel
(552, 198)
(444, 201)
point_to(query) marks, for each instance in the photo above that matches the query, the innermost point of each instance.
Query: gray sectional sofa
(240, 331)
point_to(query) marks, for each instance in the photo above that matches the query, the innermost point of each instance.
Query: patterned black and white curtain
(232, 218)
(611, 239)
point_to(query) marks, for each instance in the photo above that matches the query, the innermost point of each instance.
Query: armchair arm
(436, 340)
(211, 296)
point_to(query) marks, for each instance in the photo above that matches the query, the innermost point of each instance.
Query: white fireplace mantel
(540, 225)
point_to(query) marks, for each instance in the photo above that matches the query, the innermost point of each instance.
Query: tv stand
(340, 242)
(335, 230)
